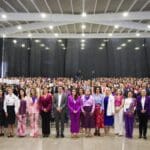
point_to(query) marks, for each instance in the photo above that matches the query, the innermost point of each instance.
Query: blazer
(63, 101)
(146, 105)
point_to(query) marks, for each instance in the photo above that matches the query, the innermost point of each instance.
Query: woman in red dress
(99, 113)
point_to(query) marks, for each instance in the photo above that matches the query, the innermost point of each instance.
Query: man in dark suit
(142, 110)
(59, 105)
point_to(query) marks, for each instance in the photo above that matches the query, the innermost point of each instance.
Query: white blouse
(11, 100)
(127, 103)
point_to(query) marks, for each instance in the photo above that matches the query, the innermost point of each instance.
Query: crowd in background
(97, 103)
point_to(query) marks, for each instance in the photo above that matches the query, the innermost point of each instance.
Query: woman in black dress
(2, 114)
(11, 107)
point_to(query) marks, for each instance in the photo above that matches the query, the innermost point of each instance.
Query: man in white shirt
(142, 109)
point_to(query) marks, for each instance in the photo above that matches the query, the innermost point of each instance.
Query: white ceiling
(66, 19)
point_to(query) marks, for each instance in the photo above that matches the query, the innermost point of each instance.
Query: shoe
(57, 136)
(62, 135)
(10, 136)
(46, 135)
(95, 133)
(99, 134)
(145, 137)
(140, 137)
(2, 134)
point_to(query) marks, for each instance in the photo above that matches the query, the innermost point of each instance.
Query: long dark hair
(77, 92)
(97, 87)
(23, 91)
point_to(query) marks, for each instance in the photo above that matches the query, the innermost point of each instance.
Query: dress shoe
(62, 135)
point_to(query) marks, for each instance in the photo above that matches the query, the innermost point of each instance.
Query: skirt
(81, 119)
(88, 119)
(11, 115)
(2, 118)
(99, 116)
(108, 120)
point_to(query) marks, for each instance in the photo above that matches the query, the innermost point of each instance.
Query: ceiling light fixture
(51, 27)
(116, 26)
(14, 41)
(110, 34)
(119, 48)
(136, 48)
(19, 27)
(137, 34)
(56, 34)
(125, 14)
(129, 40)
(43, 15)
(22, 45)
(37, 41)
(84, 14)
(83, 26)
(29, 35)
(123, 44)
(4, 16)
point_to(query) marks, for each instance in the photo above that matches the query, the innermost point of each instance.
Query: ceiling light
(123, 44)
(59, 40)
(82, 48)
(14, 41)
(100, 48)
(137, 34)
(84, 14)
(3, 35)
(56, 34)
(110, 34)
(83, 26)
(83, 40)
(29, 35)
(105, 40)
(62, 44)
(37, 41)
(19, 27)
(129, 40)
(28, 48)
(42, 45)
(46, 48)
(22, 45)
(119, 48)
(136, 48)
(103, 44)
(143, 45)
(4, 16)
(64, 48)
(83, 35)
(148, 26)
(51, 27)
(125, 14)
(116, 26)
(43, 15)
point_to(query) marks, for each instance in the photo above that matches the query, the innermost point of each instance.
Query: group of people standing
(87, 108)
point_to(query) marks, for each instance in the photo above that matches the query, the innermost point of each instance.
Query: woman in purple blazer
(74, 105)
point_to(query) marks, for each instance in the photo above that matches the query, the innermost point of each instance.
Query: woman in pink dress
(119, 102)
(33, 110)
(22, 114)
